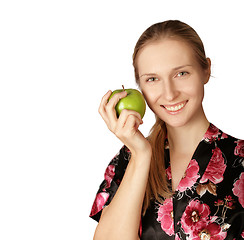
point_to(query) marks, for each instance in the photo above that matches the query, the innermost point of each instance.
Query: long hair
(157, 186)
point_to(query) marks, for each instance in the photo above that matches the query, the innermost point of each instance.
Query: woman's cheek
(195, 89)
(151, 99)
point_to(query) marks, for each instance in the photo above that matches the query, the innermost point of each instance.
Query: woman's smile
(175, 108)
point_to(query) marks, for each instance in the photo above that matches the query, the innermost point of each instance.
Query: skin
(164, 84)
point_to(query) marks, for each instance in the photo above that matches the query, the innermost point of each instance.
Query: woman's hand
(126, 126)
(111, 225)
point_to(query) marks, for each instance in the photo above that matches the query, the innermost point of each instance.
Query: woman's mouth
(175, 108)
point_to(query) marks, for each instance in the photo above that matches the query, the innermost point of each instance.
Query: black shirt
(208, 202)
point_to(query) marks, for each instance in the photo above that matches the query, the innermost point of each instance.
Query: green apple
(133, 101)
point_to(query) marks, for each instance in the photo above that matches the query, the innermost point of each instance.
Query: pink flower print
(229, 198)
(109, 174)
(165, 216)
(195, 216)
(168, 173)
(209, 231)
(230, 205)
(177, 237)
(238, 189)
(242, 234)
(211, 134)
(99, 202)
(224, 135)
(190, 177)
(215, 169)
(239, 149)
(219, 202)
(140, 229)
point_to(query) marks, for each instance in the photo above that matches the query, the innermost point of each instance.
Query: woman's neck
(184, 139)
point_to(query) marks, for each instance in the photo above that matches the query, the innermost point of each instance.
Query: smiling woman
(178, 80)
(170, 185)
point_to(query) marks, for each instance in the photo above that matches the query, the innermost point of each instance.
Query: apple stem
(123, 87)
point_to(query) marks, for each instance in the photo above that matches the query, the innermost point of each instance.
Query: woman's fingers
(107, 108)
(126, 126)
(124, 115)
(110, 108)
(131, 125)
(128, 123)
(104, 101)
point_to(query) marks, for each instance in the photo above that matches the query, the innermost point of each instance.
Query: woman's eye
(152, 79)
(181, 74)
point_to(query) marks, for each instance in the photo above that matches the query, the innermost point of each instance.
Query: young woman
(185, 180)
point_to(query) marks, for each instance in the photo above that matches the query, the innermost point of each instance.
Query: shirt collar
(204, 150)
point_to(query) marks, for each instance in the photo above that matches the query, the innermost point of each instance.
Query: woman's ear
(208, 71)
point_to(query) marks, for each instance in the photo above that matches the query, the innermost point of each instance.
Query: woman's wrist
(142, 157)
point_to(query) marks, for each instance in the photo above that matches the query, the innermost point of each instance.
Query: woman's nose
(170, 91)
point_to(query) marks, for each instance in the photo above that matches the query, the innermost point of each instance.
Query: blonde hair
(157, 187)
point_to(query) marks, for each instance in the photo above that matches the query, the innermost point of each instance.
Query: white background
(57, 59)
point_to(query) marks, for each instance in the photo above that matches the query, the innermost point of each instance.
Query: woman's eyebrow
(182, 66)
(148, 74)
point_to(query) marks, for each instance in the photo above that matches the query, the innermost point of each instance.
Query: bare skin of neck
(183, 142)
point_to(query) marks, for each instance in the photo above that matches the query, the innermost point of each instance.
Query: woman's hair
(157, 186)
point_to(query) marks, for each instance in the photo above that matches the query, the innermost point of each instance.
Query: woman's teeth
(176, 108)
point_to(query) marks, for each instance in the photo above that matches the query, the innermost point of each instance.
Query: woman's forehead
(167, 54)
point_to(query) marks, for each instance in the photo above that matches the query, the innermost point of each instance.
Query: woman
(185, 180)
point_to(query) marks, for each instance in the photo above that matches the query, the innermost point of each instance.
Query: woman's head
(171, 69)
(171, 29)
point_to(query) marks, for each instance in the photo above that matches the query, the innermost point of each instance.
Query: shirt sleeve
(112, 177)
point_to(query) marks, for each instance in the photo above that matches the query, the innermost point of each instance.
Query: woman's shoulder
(232, 148)
(229, 145)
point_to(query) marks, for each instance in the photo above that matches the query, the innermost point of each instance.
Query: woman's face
(172, 81)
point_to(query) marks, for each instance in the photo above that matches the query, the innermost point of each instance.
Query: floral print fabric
(208, 202)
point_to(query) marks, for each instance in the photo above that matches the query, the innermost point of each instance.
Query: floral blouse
(207, 204)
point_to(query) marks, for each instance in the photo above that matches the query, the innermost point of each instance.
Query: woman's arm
(121, 219)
